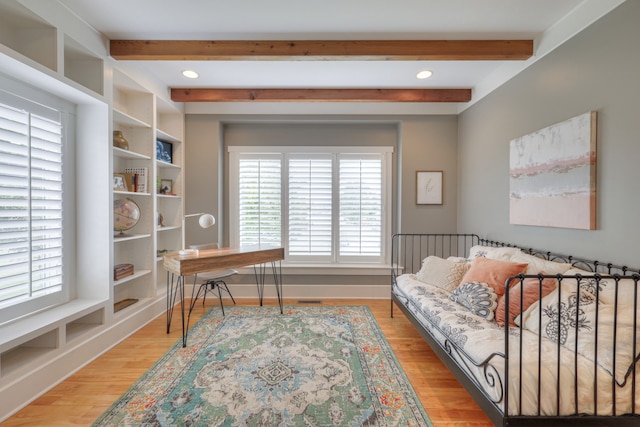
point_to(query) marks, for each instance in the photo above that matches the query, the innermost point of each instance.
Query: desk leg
(175, 286)
(194, 298)
(277, 280)
(172, 291)
(260, 272)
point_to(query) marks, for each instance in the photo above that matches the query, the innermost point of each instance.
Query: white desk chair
(212, 280)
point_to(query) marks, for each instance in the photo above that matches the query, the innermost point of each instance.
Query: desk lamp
(206, 220)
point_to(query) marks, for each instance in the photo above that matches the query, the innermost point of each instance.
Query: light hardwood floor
(80, 399)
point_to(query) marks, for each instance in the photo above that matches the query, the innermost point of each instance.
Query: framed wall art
(164, 151)
(429, 187)
(552, 176)
(119, 182)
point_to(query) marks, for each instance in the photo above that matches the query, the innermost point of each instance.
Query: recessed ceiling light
(190, 74)
(424, 74)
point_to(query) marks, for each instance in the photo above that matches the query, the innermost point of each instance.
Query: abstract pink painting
(553, 175)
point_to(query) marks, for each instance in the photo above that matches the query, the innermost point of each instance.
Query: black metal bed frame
(408, 251)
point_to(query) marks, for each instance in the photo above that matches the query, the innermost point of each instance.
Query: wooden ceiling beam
(320, 95)
(296, 50)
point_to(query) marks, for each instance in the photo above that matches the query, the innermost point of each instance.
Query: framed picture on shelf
(166, 187)
(428, 187)
(164, 151)
(119, 182)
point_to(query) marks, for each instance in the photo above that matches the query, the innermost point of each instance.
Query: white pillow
(536, 265)
(561, 312)
(442, 273)
(499, 253)
(607, 293)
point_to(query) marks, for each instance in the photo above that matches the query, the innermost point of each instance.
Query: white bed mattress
(478, 340)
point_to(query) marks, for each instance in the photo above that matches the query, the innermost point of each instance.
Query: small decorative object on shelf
(122, 270)
(119, 182)
(119, 140)
(126, 214)
(159, 219)
(166, 187)
(164, 151)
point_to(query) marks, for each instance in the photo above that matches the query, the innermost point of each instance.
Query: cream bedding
(478, 340)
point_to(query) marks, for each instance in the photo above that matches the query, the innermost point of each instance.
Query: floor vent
(309, 301)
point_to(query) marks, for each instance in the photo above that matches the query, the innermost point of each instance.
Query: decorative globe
(126, 214)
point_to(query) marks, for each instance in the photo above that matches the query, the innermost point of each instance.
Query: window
(259, 201)
(327, 204)
(32, 274)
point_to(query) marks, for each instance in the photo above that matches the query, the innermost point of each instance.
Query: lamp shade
(206, 220)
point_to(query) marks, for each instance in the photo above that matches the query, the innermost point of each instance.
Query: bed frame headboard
(594, 266)
(408, 251)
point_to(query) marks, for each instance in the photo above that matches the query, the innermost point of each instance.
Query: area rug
(311, 366)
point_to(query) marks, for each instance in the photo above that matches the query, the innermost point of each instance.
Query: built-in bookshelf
(59, 54)
(36, 53)
(170, 205)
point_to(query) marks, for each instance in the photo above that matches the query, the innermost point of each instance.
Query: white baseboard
(305, 291)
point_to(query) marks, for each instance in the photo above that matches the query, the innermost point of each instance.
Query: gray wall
(595, 70)
(420, 143)
(429, 143)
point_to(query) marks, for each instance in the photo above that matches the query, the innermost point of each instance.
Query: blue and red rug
(311, 366)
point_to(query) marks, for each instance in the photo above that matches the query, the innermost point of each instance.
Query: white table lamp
(206, 220)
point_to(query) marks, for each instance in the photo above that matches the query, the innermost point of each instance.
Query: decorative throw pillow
(572, 320)
(441, 273)
(478, 298)
(625, 290)
(530, 294)
(537, 265)
(493, 272)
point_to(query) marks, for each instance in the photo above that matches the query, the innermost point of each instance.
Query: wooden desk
(178, 266)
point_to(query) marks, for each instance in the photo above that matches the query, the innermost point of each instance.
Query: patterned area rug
(311, 366)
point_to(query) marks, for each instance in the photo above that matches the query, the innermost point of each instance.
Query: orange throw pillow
(493, 272)
(531, 294)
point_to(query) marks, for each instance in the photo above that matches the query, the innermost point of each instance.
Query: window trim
(235, 152)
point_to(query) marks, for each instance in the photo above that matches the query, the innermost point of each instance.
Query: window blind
(360, 207)
(260, 200)
(310, 206)
(325, 204)
(31, 207)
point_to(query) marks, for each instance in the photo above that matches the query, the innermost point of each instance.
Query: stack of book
(136, 179)
(122, 270)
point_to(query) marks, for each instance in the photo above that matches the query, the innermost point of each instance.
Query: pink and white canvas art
(553, 175)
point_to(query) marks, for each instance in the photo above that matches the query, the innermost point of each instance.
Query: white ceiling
(547, 22)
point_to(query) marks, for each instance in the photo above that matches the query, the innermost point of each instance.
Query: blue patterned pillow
(479, 298)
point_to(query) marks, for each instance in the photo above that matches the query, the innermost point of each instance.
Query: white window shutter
(310, 206)
(360, 207)
(260, 200)
(30, 205)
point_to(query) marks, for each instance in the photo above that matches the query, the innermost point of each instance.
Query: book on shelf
(130, 179)
(138, 178)
(122, 270)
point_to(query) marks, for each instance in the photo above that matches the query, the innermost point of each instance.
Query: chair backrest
(204, 246)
